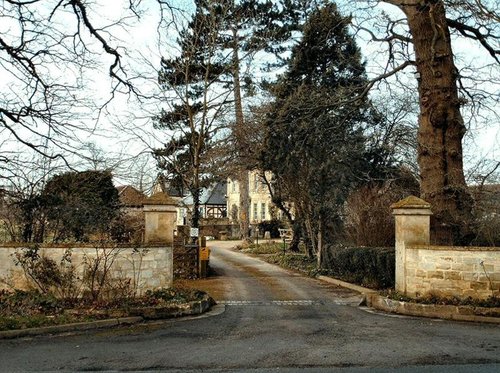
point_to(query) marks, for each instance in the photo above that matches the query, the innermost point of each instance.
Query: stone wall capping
(160, 199)
(452, 248)
(411, 202)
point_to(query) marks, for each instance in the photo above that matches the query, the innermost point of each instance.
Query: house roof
(160, 198)
(164, 185)
(215, 194)
(129, 196)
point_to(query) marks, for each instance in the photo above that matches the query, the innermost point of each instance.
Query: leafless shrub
(97, 272)
(487, 217)
(368, 217)
(48, 276)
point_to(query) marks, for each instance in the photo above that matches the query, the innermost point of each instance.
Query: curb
(348, 285)
(80, 326)
(439, 311)
(189, 309)
(139, 315)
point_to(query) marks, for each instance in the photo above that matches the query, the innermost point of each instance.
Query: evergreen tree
(195, 80)
(314, 140)
(216, 46)
(255, 26)
(79, 204)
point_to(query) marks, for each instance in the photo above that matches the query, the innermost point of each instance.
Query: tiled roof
(129, 196)
(215, 194)
(160, 198)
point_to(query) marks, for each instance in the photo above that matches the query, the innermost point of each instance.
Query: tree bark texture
(441, 126)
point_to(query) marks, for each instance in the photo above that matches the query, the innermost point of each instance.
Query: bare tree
(422, 37)
(22, 181)
(50, 53)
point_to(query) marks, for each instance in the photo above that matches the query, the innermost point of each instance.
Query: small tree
(79, 204)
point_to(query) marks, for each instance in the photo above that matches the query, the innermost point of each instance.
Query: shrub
(367, 266)
(27, 303)
(46, 275)
(128, 228)
(487, 218)
(272, 226)
(368, 215)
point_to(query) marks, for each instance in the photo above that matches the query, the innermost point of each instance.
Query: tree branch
(475, 34)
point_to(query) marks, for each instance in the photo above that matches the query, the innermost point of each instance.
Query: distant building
(162, 184)
(131, 199)
(212, 204)
(261, 206)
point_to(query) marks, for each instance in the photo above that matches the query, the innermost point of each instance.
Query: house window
(255, 182)
(262, 211)
(234, 186)
(254, 211)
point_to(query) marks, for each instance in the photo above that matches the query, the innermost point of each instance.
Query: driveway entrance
(268, 320)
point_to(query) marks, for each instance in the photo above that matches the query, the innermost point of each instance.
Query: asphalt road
(268, 320)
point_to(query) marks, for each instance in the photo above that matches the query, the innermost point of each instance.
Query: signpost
(286, 235)
(194, 232)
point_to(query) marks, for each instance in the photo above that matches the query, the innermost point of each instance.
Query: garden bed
(441, 309)
(22, 310)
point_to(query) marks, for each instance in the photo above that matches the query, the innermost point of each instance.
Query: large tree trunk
(441, 126)
(195, 187)
(195, 217)
(240, 142)
(244, 204)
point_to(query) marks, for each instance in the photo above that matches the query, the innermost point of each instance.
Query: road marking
(270, 303)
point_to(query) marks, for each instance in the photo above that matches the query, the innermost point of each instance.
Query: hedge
(372, 267)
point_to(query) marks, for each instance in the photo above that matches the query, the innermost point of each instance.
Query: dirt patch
(216, 285)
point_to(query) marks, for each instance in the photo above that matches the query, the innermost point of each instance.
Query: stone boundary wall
(147, 267)
(423, 269)
(452, 271)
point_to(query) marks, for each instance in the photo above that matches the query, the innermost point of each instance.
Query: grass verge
(272, 252)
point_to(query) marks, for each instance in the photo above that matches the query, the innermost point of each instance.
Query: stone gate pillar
(412, 216)
(160, 219)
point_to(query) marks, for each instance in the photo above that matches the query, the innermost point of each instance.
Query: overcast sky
(483, 140)
(125, 126)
